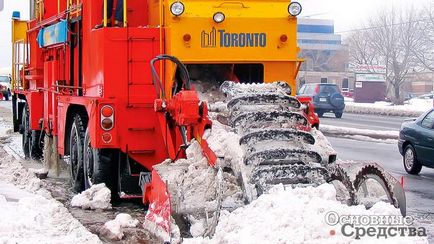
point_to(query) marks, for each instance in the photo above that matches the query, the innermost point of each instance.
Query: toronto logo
(221, 38)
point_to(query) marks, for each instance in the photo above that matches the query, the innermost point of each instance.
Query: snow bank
(377, 134)
(96, 197)
(295, 216)
(414, 108)
(35, 219)
(113, 229)
(28, 212)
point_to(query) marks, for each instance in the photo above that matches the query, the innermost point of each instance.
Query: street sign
(371, 77)
(367, 68)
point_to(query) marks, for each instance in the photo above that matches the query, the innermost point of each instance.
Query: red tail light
(107, 117)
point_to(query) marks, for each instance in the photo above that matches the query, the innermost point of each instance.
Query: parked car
(416, 143)
(5, 86)
(325, 97)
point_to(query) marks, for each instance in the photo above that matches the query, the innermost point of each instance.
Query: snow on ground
(412, 108)
(113, 229)
(296, 216)
(96, 197)
(28, 212)
(346, 131)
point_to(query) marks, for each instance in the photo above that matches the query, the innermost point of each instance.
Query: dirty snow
(28, 212)
(96, 197)
(413, 108)
(113, 229)
(295, 216)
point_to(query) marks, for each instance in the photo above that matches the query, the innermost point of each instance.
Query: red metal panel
(35, 101)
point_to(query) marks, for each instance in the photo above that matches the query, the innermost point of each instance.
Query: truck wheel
(320, 113)
(411, 165)
(26, 133)
(31, 139)
(76, 153)
(100, 166)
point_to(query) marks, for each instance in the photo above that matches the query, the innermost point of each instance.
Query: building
(326, 58)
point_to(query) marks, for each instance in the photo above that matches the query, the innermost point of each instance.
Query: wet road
(419, 189)
(363, 121)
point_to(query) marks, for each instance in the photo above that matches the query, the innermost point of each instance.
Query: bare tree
(388, 38)
(424, 49)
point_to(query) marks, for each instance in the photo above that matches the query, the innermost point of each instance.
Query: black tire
(338, 114)
(320, 114)
(100, 166)
(411, 164)
(6, 96)
(26, 133)
(76, 140)
(31, 139)
(36, 145)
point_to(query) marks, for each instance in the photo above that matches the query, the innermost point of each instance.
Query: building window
(323, 80)
(345, 83)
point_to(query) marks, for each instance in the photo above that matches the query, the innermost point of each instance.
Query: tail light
(107, 117)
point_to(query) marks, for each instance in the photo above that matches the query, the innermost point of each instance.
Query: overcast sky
(347, 14)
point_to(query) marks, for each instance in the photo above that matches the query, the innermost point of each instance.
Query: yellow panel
(251, 32)
(19, 30)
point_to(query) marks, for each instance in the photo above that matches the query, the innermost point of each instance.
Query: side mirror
(2, 4)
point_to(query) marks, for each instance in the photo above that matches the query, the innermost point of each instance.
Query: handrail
(105, 13)
(125, 12)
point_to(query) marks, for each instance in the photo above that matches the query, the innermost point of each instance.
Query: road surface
(363, 121)
(419, 189)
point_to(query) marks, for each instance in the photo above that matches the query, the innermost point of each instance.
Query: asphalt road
(363, 121)
(419, 189)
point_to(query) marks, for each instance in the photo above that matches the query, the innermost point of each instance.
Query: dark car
(416, 143)
(325, 97)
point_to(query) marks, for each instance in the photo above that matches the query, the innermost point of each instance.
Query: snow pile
(193, 183)
(96, 197)
(414, 108)
(113, 229)
(28, 212)
(294, 216)
(377, 134)
(35, 219)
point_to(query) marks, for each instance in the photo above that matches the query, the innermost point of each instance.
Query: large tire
(100, 166)
(26, 133)
(31, 139)
(320, 113)
(411, 164)
(76, 141)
